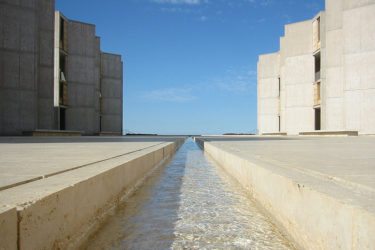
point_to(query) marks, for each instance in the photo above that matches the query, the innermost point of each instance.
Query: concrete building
(88, 83)
(26, 66)
(50, 73)
(323, 77)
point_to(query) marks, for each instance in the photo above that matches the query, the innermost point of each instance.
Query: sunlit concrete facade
(323, 77)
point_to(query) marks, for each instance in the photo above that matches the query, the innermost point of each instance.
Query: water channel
(189, 203)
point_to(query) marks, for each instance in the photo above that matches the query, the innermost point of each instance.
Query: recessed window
(317, 118)
(317, 66)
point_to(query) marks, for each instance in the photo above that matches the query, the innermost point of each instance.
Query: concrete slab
(26, 159)
(88, 178)
(321, 190)
(350, 160)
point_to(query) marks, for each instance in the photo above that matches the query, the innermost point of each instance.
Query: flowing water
(189, 203)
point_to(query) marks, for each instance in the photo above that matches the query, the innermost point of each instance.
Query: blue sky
(190, 65)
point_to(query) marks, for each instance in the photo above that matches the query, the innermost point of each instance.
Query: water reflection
(189, 203)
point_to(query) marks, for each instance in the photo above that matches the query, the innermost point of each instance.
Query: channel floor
(190, 203)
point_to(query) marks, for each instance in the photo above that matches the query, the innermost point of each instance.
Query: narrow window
(62, 35)
(317, 66)
(62, 118)
(317, 118)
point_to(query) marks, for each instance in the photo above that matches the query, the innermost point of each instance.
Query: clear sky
(190, 65)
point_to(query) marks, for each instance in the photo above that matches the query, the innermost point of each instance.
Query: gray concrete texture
(268, 93)
(29, 89)
(26, 61)
(320, 190)
(83, 78)
(64, 187)
(111, 91)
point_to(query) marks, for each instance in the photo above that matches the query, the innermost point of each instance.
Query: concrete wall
(294, 64)
(83, 78)
(347, 70)
(297, 77)
(46, 18)
(268, 93)
(26, 66)
(97, 94)
(111, 93)
(351, 65)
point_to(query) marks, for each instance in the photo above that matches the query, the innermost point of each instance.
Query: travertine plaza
(243, 191)
(54, 77)
(323, 77)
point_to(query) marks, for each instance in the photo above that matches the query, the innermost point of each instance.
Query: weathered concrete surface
(83, 78)
(268, 93)
(320, 190)
(26, 66)
(347, 75)
(111, 93)
(86, 178)
(8, 228)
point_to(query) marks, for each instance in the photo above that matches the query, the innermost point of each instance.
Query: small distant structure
(238, 134)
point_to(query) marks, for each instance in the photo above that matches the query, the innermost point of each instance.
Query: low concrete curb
(315, 213)
(42, 132)
(276, 134)
(61, 211)
(328, 133)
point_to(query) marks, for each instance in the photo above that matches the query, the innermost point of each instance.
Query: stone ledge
(324, 132)
(61, 212)
(110, 134)
(315, 212)
(277, 133)
(46, 132)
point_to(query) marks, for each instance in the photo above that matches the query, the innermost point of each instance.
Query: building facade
(51, 73)
(88, 83)
(323, 77)
(26, 66)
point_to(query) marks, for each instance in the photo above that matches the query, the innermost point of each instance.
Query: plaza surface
(55, 190)
(348, 160)
(321, 190)
(25, 159)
